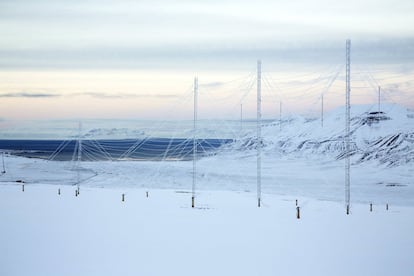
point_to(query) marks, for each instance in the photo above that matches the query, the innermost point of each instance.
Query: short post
(298, 212)
(347, 209)
(386, 207)
(258, 202)
(146, 193)
(192, 202)
(58, 191)
(370, 207)
(123, 197)
(23, 188)
(296, 202)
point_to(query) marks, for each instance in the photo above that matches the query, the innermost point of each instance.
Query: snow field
(96, 233)
(313, 178)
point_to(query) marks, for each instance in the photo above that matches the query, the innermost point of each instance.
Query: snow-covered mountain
(385, 136)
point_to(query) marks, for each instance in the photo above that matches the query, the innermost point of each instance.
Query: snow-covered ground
(95, 233)
(43, 233)
(316, 178)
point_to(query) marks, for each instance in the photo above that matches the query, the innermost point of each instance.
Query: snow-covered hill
(386, 137)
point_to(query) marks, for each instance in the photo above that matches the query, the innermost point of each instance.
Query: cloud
(28, 95)
(98, 95)
(200, 57)
(102, 95)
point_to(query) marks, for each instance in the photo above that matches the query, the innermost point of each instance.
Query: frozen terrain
(44, 233)
(95, 233)
(384, 137)
(304, 158)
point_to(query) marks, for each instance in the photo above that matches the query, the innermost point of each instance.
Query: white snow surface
(386, 138)
(95, 233)
(44, 233)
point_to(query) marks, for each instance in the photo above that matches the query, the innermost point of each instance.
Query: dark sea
(153, 149)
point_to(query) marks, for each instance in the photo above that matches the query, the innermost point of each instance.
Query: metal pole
(347, 125)
(79, 155)
(241, 117)
(80, 142)
(259, 132)
(194, 142)
(4, 167)
(280, 116)
(379, 99)
(322, 110)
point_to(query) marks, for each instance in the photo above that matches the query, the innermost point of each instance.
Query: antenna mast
(194, 142)
(347, 125)
(79, 154)
(322, 110)
(241, 118)
(4, 167)
(280, 116)
(259, 132)
(379, 98)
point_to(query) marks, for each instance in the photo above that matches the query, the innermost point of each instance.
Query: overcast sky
(95, 33)
(190, 35)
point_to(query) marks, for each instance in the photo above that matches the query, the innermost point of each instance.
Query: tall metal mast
(79, 155)
(241, 117)
(4, 167)
(194, 142)
(379, 98)
(80, 142)
(347, 125)
(280, 116)
(259, 132)
(322, 110)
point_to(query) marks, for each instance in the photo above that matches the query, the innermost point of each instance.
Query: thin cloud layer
(72, 52)
(28, 95)
(154, 34)
(100, 95)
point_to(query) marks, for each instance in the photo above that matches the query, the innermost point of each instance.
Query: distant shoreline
(155, 149)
